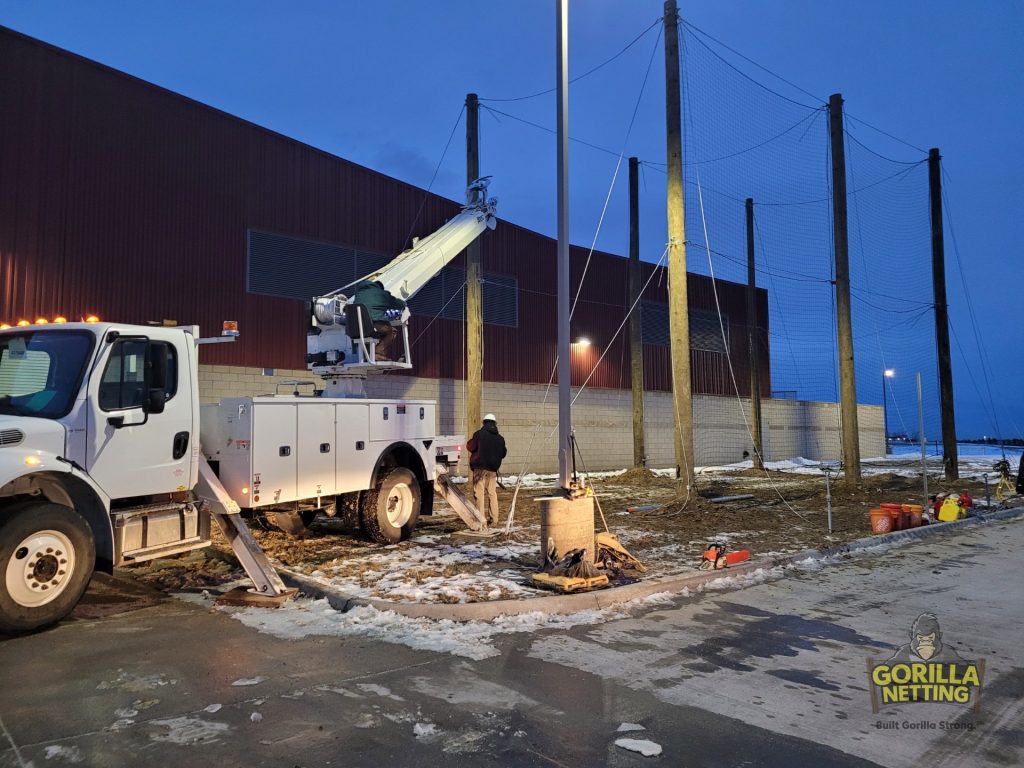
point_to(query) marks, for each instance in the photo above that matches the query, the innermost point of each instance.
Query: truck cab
(98, 427)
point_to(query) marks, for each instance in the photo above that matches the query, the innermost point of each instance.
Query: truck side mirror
(156, 398)
(157, 354)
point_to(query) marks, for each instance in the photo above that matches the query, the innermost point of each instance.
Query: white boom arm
(408, 272)
(336, 351)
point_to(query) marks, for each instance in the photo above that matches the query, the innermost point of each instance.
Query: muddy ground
(787, 513)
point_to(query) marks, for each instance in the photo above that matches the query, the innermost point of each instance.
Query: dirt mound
(638, 476)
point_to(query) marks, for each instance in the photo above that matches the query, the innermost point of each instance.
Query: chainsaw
(717, 556)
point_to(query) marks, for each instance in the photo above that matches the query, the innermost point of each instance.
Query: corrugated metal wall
(123, 199)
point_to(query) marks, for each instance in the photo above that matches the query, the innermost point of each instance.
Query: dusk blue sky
(382, 83)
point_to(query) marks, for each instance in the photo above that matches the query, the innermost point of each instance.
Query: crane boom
(413, 268)
(341, 343)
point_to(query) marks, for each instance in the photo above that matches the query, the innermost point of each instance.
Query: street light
(888, 373)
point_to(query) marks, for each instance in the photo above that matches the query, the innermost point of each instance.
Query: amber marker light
(60, 320)
(23, 323)
(33, 461)
(4, 326)
(245, 491)
(91, 319)
(42, 321)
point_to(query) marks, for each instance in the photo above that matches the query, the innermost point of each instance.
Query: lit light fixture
(33, 461)
(582, 341)
(60, 320)
(4, 326)
(889, 373)
(91, 319)
(23, 323)
(245, 491)
(42, 321)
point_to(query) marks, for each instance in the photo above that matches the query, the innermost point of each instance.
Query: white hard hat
(491, 417)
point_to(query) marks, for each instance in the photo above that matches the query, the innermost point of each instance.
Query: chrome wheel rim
(40, 568)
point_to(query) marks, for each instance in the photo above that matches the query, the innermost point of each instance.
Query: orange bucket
(915, 511)
(895, 511)
(881, 521)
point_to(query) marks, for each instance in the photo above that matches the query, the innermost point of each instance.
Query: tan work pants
(485, 486)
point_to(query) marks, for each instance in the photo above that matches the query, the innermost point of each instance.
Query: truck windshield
(41, 371)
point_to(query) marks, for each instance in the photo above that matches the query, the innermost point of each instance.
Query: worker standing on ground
(486, 450)
(382, 306)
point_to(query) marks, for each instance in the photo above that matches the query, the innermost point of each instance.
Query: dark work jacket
(376, 299)
(486, 448)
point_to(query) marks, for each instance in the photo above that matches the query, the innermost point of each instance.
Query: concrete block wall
(602, 419)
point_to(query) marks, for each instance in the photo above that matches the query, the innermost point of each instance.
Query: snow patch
(340, 691)
(68, 754)
(126, 681)
(469, 639)
(256, 717)
(189, 730)
(248, 681)
(366, 720)
(213, 708)
(747, 579)
(643, 746)
(428, 571)
(380, 690)
(424, 730)
(626, 727)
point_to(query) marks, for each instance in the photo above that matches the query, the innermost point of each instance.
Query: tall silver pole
(562, 126)
(920, 430)
(885, 418)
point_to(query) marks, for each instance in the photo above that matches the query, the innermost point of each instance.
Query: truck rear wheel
(47, 555)
(390, 511)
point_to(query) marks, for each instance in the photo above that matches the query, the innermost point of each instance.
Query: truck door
(139, 434)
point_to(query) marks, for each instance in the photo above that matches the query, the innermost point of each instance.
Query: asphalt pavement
(771, 675)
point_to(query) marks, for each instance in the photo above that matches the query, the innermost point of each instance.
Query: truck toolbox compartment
(145, 532)
(272, 451)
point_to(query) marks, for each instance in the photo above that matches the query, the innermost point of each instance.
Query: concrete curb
(603, 598)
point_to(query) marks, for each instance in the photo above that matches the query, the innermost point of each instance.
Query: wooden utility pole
(847, 383)
(949, 455)
(474, 315)
(678, 305)
(636, 342)
(753, 342)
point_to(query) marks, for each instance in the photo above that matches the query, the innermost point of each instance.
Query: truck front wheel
(47, 554)
(390, 511)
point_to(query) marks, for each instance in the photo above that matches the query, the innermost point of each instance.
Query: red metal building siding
(123, 199)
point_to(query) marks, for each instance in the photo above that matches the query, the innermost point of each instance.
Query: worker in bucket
(383, 307)
(486, 450)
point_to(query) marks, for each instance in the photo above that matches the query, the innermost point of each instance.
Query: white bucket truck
(107, 457)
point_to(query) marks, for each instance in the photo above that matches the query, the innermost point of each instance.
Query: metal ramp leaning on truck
(268, 589)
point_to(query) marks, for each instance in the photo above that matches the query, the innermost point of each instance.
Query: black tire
(348, 514)
(390, 511)
(33, 537)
